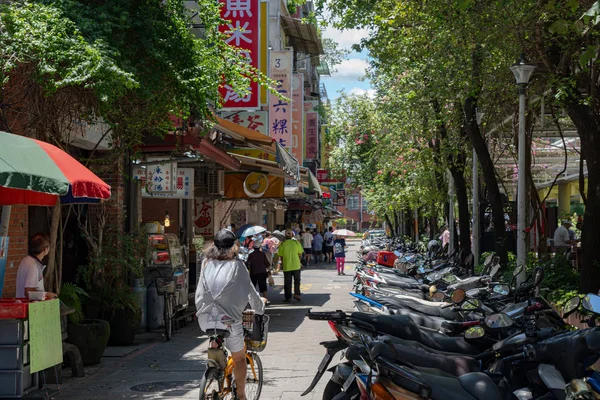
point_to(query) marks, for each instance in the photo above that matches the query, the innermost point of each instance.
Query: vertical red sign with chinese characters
(311, 129)
(280, 109)
(243, 31)
(298, 117)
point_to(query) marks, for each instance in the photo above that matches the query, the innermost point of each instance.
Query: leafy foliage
(72, 296)
(135, 62)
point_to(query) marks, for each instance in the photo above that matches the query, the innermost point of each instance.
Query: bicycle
(218, 382)
(168, 288)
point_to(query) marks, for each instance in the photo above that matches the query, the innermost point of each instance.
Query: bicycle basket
(260, 330)
(164, 286)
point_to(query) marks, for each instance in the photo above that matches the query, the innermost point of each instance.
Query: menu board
(45, 338)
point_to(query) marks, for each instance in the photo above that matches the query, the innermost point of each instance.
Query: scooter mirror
(438, 296)
(499, 320)
(501, 289)
(591, 302)
(449, 278)
(457, 296)
(539, 276)
(494, 271)
(517, 270)
(471, 304)
(474, 332)
(570, 306)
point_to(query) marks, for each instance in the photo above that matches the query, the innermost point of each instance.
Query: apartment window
(352, 202)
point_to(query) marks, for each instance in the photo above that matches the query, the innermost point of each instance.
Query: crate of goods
(14, 357)
(13, 331)
(386, 258)
(13, 308)
(17, 383)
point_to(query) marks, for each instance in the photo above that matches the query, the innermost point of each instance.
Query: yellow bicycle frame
(228, 374)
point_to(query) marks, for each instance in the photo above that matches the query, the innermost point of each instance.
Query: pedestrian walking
(290, 252)
(328, 245)
(307, 240)
(318, 247)
(224, 289)
(259, 267)
(339, 251)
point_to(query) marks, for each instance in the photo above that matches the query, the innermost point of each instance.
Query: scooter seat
(454, 364)
(404, 327)
(433, 309)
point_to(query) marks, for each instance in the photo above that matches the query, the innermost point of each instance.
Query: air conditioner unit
(216, 183)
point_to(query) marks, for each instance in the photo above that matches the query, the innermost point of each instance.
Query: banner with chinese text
(255, 120)
(243, 31)
(264, 49)
(183, 183)
(280, 111)
(298, 117)
(311, 129)
(157, 178)
(204, 214)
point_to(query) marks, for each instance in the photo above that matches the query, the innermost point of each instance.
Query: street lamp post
(476, 214)
(522, 72)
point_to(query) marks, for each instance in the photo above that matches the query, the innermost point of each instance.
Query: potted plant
(109, 278)
(90, 336)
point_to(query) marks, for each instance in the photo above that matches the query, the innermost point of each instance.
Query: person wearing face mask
(30, 276)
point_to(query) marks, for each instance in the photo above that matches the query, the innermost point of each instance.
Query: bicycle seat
(224, 333)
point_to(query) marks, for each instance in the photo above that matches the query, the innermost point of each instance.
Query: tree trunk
(49, 280)
(588, 126)
(392, 227)
(464, 218)
(489, 176)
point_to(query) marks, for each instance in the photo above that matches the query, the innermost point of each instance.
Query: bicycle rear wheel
(210, 385)
(254, 376)
(168, 316)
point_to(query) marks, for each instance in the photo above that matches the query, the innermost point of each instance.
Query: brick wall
(17, 247)
(155, 209)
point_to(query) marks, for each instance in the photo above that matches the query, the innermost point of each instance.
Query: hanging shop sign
(280, 110)
(243, 32)
(252, 186)
(204, 214)
(157, 178)
(256, 184)
(255, 120)
(183, 184)
(298, 117)
(341, 198)
(311, 129)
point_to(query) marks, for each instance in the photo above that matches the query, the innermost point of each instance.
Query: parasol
(33, 172)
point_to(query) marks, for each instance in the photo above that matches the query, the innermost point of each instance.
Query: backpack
(329, 240)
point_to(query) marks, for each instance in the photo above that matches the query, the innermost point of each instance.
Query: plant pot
(123, 326)
(91, 338)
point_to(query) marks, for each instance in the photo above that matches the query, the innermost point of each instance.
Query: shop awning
(235, 130)
(192, 141)
(303, 37)
(313, 184)
(257, 164)
(287, 162)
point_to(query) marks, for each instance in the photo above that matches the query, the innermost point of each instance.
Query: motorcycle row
(426, 327)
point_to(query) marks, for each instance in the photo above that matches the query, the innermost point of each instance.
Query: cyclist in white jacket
(223, 293)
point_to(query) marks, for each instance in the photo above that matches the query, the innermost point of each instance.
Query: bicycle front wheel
(254, 376)
(168, 316)
(210, 385)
